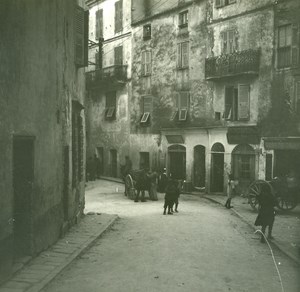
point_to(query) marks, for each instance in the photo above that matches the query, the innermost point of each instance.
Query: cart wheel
(254, 191)
(286, 202)
(129, 187)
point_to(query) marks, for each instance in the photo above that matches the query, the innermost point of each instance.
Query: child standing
(230, 191)
(171, 193)
(266, 213)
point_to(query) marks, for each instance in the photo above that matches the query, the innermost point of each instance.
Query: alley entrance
(217, 168)
(177, 161)
(23, 175)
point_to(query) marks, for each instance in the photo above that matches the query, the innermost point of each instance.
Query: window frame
(181, 55)
(183, 19)
(147, 34)
(118, 16)
(146, 67)
(181, 111)
(110, 105)
(145, 117)
(286, 49)
(99, 24)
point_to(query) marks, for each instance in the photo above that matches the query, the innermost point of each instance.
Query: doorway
(177, 161)
(101, 159)
(23, 177)
(199, 166)
(217, 168)
(113, 162)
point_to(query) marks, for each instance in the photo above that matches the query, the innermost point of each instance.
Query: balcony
(113, 75)
(238, 63)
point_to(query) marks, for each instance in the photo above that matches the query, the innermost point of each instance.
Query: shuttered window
(110, 105)
(147, 108)
(221, 3)
(183, 19)
(99, 24)
(118, 16)
(183, 99)
(237, 103)
(119, 55)
(146, 63)
(288, 46)
(243, 102)
(229, 42)
(81, 36)
(183, 55)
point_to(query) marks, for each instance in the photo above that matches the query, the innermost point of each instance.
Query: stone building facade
(42, 123)
(204, 86)
(109, 83)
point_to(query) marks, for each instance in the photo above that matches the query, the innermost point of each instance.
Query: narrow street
(202, 248)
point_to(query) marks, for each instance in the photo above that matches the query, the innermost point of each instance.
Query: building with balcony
(42, 125)
(203, 87)
(108, 81)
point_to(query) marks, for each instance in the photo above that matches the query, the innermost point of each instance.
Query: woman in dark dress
(266, 213)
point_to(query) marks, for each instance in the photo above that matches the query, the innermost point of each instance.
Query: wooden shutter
(99, 24)
(184, 100)
(147, 104)
(179, 58)
(243, 102)
(228, 111)
(224, 42)
(118, 15)
(185, 54)
(143, 63)
(86, 38)
(147, 62)
(231, 41)
(79, 36)
(295, 46)
(119, 55)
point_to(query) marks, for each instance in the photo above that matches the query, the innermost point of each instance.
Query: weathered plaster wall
(38, 79)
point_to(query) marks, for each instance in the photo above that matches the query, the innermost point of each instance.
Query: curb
(49, 278)
(273, 242)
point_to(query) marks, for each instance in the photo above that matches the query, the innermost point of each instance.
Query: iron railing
(115, 73)
(237, 63)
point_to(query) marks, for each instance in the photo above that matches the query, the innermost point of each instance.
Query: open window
(147, 32)
(183, 19)
(237, 103)
(110, 105)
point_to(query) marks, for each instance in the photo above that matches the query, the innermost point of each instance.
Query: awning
(178, 139)
(282, 143)
(243, 135)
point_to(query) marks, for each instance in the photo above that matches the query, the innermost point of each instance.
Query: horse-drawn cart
(286, 198)
(139, 181)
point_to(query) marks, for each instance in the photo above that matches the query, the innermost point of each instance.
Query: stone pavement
(38, 272)
(286, 226)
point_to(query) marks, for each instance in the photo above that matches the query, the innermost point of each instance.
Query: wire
(273, 257)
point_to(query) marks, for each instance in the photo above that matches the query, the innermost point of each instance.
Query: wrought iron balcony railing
(112, 74)
(238, 63)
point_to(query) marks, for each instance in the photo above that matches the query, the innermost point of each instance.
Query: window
(144, 160)
(183, 55)
(118, 16)
(237, 103)
(119, 55)
(146, 63)
(110, 105)
(147, 32)
(81, 36)
(288, 46)
(182, 106)
(297, 92)
(229, 42)
(221, 3)
(99, 24)
(147, 108)
(183, 19)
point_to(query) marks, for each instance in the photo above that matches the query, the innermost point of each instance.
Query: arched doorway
(199, 166)
(177, 161)
(217, 168)
(243, 164)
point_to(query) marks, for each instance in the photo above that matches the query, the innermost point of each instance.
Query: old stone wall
(38, 81)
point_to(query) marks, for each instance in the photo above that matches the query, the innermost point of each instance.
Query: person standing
(153, 185)
(163, 180)
(171, 193)
(266, 212)
(230, 191)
